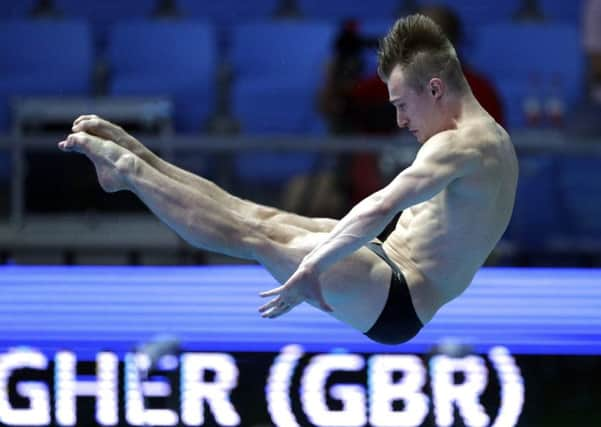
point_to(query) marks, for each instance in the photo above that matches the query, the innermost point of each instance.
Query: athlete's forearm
(364, 222)
(367, 219)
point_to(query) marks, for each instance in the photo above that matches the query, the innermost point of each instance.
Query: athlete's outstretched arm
(435, 167)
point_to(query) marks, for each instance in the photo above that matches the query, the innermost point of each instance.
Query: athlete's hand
(302, 286)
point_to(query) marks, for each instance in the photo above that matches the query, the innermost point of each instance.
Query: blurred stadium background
(278, 102)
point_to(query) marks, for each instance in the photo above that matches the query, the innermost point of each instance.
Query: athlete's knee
(268, 237)
(263, 213)
(303, 243)
(254, 234)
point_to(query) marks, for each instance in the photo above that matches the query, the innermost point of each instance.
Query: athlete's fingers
(272, 292)
(274, 302)
(280, 311)
(273, 311)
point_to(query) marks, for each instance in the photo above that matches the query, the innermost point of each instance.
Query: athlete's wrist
(310, 265)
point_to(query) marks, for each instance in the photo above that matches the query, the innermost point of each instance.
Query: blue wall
(89, 309)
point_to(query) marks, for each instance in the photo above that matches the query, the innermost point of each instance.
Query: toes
(63, 145)
(78, 137)
(96, 126)
(84, 117)
(90, 123)
(75, 142)
(69, 143)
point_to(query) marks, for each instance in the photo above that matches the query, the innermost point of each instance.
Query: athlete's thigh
(356, 287)
(312, 224)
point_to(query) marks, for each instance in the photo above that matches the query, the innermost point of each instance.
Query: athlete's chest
(432, 207)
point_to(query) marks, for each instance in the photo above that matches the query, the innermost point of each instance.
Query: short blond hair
(422, 49)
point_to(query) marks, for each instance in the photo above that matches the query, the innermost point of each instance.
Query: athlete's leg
(196, 217)
(104, 129)
(356, 287)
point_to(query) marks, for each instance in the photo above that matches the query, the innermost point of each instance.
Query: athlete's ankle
(127, 166)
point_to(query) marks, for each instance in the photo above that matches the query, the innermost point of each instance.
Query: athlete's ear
(436, 87)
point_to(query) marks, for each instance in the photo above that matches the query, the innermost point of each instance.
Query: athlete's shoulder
(448, 150)
(482, 132)
(490, 143)
(451, 142)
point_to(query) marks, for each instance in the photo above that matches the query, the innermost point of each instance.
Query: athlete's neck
(461, 107)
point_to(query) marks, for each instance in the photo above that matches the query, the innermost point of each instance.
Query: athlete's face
(418, 111)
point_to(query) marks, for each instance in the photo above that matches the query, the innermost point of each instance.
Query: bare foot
(94, 125)
(112, 162)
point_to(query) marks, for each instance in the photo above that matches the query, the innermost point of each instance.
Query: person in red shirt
(354, 101)
(367, 96)
(372, 115)
(483, 89)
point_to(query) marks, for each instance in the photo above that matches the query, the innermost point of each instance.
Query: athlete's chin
(421, 137)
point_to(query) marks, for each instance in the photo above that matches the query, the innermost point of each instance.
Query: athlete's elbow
(382, 206)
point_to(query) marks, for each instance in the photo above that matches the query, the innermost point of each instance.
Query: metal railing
(26, 231)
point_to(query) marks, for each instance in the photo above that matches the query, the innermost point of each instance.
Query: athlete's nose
(401, 120)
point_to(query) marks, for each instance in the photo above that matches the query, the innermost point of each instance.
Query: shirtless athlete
(457, 197)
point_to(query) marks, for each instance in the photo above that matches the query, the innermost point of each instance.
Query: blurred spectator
(287, 9)
(45, 9)
(355, 102)
(407, 7)
(166, 9)
(592, 46)
(352, 102)
(584, 121)
(483, 89)
(529, 11)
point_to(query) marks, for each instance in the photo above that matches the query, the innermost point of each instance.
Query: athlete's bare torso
(441, 243)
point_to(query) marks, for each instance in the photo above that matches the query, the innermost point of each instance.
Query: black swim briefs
(398, 321)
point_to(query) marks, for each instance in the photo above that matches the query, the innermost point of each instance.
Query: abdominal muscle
(440, 244)
(439, 254)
